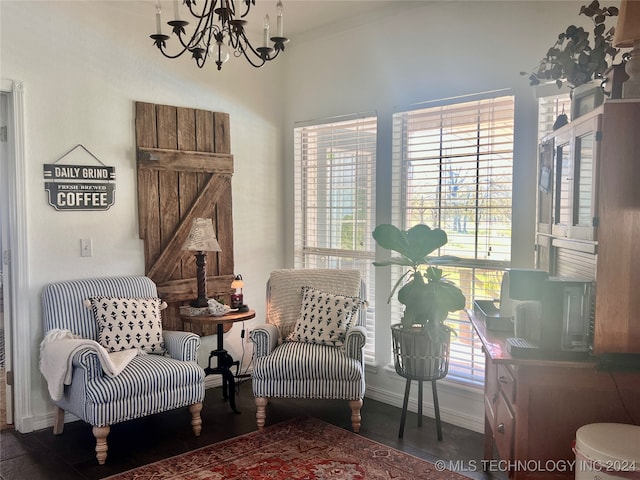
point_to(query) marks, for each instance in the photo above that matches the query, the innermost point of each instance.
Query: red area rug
(303, 448)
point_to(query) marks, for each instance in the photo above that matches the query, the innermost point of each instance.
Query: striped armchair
(148, 384)
(299, 369)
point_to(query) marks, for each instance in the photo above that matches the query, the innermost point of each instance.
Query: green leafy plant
(427, 296)
(573, 58)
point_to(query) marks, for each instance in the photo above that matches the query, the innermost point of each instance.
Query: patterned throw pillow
(125, 323)
(325, 317)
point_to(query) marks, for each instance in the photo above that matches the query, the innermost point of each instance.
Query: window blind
(334, 188)
(548, 110)
(453, 169)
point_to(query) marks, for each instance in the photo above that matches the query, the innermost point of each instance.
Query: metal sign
(80, 187)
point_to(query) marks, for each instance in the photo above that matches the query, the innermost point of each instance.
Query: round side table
(225, 361)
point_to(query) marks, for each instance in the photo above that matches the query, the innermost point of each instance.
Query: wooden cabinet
(588, 226)
(534, 407)
(588, 215)
(569, 160)
(617, 325)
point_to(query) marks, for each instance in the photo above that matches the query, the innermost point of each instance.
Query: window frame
(361, 169)
(475, 377)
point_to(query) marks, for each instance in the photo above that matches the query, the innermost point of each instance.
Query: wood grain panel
(165, 265)
(167, 125)
(222, 136)
(200, 162)
(617, 299)
(186, 121)
(167, 119)
(225, 227)
(146, 135)
(205, 132)
(187, 181)
(189, 189)
(148, 210)
(184, 171)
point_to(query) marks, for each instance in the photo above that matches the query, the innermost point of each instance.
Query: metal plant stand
(416, 357)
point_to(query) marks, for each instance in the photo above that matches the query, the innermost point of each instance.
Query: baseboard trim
(460, 419)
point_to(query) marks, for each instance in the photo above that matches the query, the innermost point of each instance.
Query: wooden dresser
(588, 215)
(534, 407)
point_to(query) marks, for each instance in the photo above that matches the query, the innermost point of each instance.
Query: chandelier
(220, 30)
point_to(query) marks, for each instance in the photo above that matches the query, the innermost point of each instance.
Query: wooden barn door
(184, 172)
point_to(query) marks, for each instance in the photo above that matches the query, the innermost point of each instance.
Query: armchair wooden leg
(356, 419)
(196, 420)
(101, 442)
(261, 413)
(58, 420)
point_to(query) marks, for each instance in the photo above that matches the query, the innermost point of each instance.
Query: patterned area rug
(303, 448)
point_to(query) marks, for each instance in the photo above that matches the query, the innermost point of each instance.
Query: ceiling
(304, 16)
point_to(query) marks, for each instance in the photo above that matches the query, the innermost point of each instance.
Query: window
(549, 108)
(453, 170)
(335, 201)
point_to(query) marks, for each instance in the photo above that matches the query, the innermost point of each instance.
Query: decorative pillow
(325, 317)
(125, 323)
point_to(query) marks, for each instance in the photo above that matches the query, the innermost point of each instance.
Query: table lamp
(201, 239)
(237, 299)
(627, 34)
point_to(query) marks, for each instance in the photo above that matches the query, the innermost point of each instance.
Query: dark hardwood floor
(41, 455)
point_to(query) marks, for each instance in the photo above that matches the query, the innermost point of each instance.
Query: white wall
(84, 64)
(423, 51)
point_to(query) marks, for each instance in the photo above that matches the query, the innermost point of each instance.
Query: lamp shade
(237, 282)
(202, 237)
(628, 26)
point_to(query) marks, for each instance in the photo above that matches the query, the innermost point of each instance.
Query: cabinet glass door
(545, 187)
(563, 189)
(585, 186)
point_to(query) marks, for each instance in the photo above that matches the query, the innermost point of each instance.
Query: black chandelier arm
(205, 24)
(231, 7)
(159, 41)
(217, 24)
(264, 53)
(250, 59)
(244, 47)
(206, 9)
(200, 41)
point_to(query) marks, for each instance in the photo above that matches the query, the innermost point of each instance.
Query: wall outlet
(247, 337)
(86, 249)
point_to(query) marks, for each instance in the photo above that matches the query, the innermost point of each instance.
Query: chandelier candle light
(220, 29)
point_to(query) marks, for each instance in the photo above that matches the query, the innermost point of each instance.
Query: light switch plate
(86, 248)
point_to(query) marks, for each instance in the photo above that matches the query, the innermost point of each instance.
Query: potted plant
(421, 339)
(574, 58)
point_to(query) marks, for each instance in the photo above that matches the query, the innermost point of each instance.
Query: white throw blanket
(56, 358)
